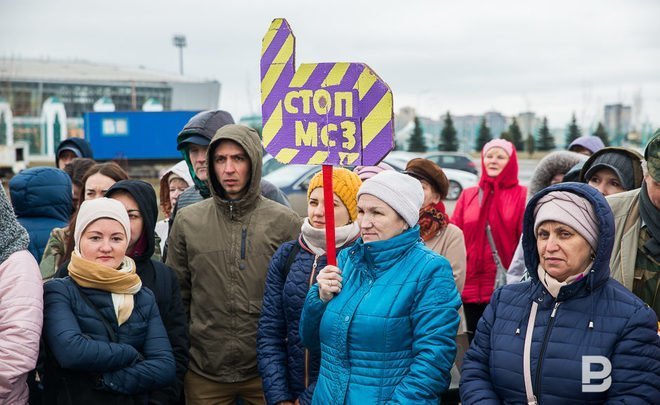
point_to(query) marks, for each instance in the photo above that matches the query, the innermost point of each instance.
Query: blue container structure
(135, 135)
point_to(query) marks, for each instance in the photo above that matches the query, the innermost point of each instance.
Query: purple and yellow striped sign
(323, 113)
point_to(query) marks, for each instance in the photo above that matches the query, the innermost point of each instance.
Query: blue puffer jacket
(139, 362)
(388, 337)
(288, 371)
(595, 316)
(42, 200)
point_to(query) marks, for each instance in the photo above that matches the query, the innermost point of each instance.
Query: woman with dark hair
(490, 216)
(77, 170)
(537, 340)
(97, 180)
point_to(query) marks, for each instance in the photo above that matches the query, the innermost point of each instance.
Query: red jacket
(505, 216)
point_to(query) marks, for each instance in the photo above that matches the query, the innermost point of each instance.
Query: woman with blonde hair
(288, 370)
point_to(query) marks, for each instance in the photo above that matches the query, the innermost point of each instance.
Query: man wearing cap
(70, 149)
(193, 142)
(220, 248)
(635, 260)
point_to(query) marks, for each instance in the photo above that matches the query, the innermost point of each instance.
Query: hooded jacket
(162, 281)
(505, 216)
(21, 307)
(595, 316)
(42, 199)
(559, 162)
(79, 144)
(220, 249)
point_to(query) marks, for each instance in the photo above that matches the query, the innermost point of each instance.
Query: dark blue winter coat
(288, 370)
(42, 200)
(595, 316)
(140, 362)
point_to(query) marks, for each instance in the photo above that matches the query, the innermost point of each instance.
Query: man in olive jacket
(220, 249)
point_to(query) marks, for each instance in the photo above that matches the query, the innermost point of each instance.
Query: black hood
(145, 196)
(203, 125)
(78, 143)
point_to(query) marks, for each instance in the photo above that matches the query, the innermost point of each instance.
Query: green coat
(220, 249)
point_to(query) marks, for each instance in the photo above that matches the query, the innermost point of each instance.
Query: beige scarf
(553, 285)
(315, 237)
(122, 283)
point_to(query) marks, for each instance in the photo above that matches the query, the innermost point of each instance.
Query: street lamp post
(180, 42)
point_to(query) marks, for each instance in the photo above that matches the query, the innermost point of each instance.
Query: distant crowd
(548, 294)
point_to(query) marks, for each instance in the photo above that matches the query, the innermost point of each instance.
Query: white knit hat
(91, 210)
(401, 192)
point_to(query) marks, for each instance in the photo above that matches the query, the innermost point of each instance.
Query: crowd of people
(231, 298)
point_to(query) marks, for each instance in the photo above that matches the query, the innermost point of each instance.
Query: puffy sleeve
(636, 361)
(272, 332)
(476, 387)
(435, 321)
(156, 367)
(21, 317)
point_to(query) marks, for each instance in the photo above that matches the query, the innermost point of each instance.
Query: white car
(293, 180)
(459, 180)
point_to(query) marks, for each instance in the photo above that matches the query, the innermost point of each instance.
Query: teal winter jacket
(388, 336)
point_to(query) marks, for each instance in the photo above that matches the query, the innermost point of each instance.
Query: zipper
(307, 355)
(243, 238)
(537, 384)
(231, 211)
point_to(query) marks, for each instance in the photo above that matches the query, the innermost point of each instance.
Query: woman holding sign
(490, 216)
(288, 370)
(385, 318)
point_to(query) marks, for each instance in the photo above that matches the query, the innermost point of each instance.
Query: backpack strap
(289, 260)
(108, 327)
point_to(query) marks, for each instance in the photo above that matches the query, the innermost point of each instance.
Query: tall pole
(179, 41)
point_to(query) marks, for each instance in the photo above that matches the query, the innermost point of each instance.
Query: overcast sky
(552, 57)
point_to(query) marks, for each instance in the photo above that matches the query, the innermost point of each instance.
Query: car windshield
(286, 175)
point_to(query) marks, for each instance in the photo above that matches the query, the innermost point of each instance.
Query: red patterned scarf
(432, 219)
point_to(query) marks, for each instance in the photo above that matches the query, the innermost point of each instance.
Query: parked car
(453, 160)
(294, 180)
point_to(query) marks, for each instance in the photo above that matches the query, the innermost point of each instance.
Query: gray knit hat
(401, 192)
(570, 209)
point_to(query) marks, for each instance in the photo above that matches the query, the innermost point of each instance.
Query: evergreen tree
(574, 131)
(602, 134)
(484, 136)
(448, 139)
(516, 135)
(546, 141)
(507, 136)
(531, 145)
(417, 143)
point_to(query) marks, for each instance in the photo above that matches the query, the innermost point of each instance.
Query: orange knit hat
(345, 184)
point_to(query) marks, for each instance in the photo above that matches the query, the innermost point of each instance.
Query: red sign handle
(329, 206)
